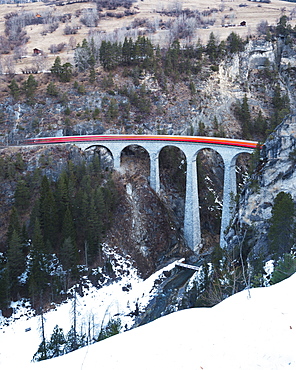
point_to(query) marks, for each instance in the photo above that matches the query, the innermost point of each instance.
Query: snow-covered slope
(20, 335)
(250, 330)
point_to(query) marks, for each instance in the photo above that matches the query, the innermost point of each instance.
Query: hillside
(252, 329)
(72, 228)
(160, 21)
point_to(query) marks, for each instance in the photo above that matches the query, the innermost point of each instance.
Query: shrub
(285, 267)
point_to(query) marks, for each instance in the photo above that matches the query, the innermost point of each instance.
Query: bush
(285, 267)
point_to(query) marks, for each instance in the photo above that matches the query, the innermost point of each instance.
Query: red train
(188, 139)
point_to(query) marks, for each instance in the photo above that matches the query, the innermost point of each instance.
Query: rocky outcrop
(145, 227)
(275, 173)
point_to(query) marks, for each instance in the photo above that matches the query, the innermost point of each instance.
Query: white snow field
(250, 330)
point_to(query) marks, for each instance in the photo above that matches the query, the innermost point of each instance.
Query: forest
(55, 229)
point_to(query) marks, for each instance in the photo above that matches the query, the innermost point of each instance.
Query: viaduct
(229, 149)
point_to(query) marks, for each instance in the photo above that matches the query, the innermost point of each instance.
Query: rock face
(144, 226)
(275, 173)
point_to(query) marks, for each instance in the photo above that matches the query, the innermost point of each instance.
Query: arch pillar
(154, 171)
(229, 193)
(192, 231)
(116, 159)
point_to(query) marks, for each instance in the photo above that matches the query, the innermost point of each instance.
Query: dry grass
(253, 14)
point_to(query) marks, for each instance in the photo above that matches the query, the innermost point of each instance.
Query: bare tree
(72, 42)
(262, 28)
(1, 66)
(293, 13)
(9, 66)
(4, 45)
(39, 62)
(19, 52)
(90, 18)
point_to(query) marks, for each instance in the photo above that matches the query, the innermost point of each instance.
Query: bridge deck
(186, 266)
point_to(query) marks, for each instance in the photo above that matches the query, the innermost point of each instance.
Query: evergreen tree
(212, 48)
(260, 125)
(281, 106)
(30, 87)
(74, 341)
(15, 263)
(112, 328)
(41, 353)
(56, 69)
(14, 89)
(22, 195)
(127, 52)
(48, 213)
(112, 112)
(110, 55)
(66, 73)
(4, 287)
(242, 112)
(37, 267)
(94, 229)
(69, 257)
(62, 196)
(14, 224)
(92, 76)
(56, 344)
(285, 267)
(234, 43)
(282, 225)
(62, 72)
(52, 90)
(201, 128)
(68, 230)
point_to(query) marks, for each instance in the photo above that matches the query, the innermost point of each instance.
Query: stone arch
(105, 155)
(210, 175)
(134, 157)
(242, 162)
(172, 174)
(172, 165)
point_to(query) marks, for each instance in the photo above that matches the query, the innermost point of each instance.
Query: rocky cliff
(275, 173)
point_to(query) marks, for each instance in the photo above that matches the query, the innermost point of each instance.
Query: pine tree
(112, 328)
(37, 268)
(127, 51)
(56, 344)
(112, 112)
(66, 72)
(30, 87)
(234, 43)
(56, 69)
(14, 89)
(62, 196)
(94, 229)
(92, 76)
(52, 90)
(282, 225)
(48, 213)
(22, 195)
(15, 262)
(4, 287)
(69, 256)
(14, 224)
(42, 352)
(285, 267)
(68, 230)
(212, 48)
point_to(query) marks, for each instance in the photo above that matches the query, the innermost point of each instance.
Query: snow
(250, 330)
(117, 299)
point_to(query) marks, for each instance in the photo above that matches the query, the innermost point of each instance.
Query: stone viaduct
(228, 152)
